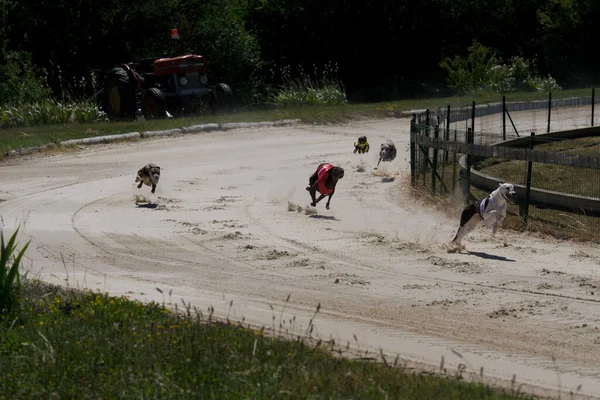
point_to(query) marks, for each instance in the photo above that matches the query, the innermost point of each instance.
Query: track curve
(223, 232)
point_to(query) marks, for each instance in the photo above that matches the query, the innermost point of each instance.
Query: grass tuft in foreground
(68, 344)
(10, 282)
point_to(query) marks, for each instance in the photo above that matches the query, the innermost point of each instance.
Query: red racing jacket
(321, 175)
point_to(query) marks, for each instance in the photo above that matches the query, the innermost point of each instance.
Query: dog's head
(386, 148)
(153, 171)
(508, 192)
(362, 140)
(336, 173)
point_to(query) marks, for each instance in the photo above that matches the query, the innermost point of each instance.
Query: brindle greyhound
(149, 175)
(387, 153)
(324, 180)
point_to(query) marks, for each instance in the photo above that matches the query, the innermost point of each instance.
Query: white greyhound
(491, 211)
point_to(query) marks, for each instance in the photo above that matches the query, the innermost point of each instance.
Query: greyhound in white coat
(490, 211)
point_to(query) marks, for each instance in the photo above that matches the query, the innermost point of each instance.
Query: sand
(230, 226)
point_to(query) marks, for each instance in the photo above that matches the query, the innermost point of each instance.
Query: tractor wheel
(221, 98)
(119, 96)
(154, 105)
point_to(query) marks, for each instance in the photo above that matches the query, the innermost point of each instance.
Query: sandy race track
(224, 233)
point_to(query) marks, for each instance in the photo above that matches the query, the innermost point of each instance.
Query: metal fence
(556, 171)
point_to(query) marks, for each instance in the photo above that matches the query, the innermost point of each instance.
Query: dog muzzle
(154, 178)
(511, 197)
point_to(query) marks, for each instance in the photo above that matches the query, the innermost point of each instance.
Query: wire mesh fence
(555, 165)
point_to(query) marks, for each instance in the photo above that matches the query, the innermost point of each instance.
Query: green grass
(83, 344)
(15, 138)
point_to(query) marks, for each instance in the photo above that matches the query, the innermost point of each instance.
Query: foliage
(20, 81)
(481, 70)
(232, 52)
(10, 282)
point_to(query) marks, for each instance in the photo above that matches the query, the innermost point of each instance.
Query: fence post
(427, 123)
(436, 135)
(465, 178)
(549, 110)
(470, 140)
(503, 117)
(454, 164)
(525, 212)
(473, 117)
(447, 133)
(593, 103)
(426, 158)
(413, 148)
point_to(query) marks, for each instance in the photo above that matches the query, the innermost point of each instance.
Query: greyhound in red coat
(324, 180)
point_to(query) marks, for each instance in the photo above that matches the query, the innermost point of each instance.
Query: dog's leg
(153, 188)
(462, 232)
(455, 244)
(321, 197)
(378, 162)
(329, 199)
(313, 194)
(467, 218)
(140, 185)
(312, 181)
(494, 228)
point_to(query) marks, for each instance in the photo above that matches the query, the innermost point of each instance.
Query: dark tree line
(383, 49)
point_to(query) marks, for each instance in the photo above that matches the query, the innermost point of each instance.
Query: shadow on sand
(327, 217)
(146, 205)
(489, 256)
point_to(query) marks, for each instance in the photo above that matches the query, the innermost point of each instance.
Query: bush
(482, 71)
(20, 81)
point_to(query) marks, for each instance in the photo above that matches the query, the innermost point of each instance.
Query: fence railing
(550, 115)
(555, 173)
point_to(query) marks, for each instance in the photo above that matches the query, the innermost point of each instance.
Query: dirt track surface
(227, 229)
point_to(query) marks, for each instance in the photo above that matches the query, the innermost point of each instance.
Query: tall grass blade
(10, 283)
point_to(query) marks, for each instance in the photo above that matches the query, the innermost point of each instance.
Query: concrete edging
(147, 134)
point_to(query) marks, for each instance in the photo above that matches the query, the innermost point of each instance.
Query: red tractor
(161, 87)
